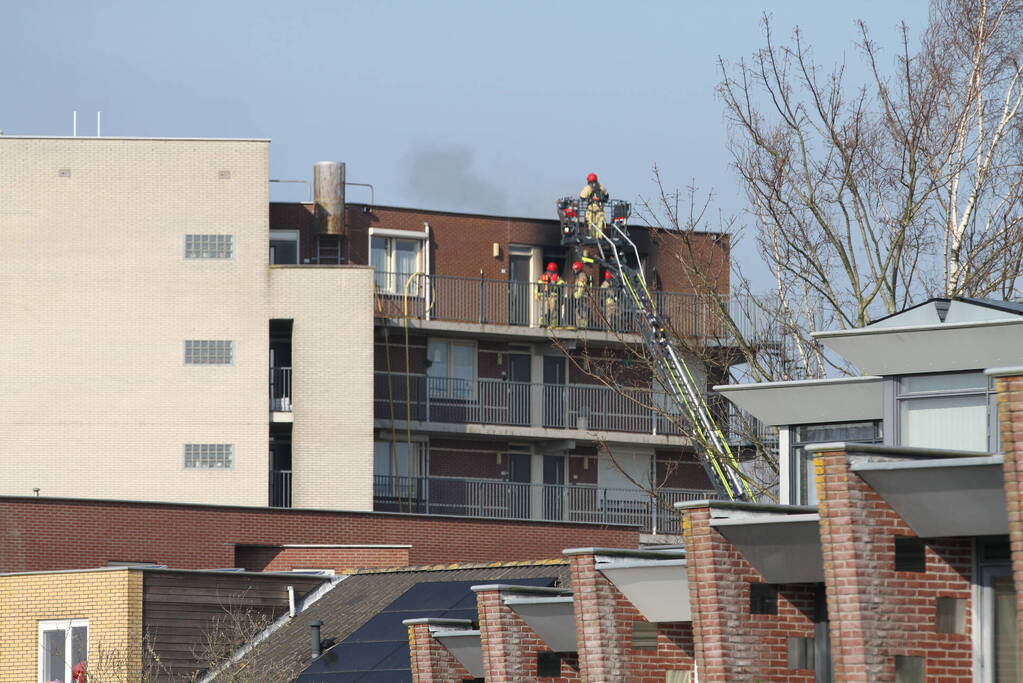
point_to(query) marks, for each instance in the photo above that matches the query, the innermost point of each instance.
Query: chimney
(329, 197)
(314, 640)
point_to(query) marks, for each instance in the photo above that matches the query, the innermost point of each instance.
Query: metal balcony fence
(652, 511)
(280, 488)
(504, 302)
(280, 389)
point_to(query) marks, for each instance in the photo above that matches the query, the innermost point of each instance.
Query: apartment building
(173, 336)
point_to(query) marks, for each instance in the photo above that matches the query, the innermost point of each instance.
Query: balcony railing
(520, 404)
(280, 389)
(280, 488)
(499, 499)
(504, 302)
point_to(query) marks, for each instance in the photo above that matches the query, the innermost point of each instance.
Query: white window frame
(66, 625)
(446, 390)
(391, 286)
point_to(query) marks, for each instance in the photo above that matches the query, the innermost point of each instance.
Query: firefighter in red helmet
(579, 303)
(594, 195)
(609, 296)
(549, 292)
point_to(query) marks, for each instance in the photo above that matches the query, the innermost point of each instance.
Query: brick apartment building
(156, 292)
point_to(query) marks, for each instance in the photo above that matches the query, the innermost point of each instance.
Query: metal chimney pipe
(329, 197)
(314, 638)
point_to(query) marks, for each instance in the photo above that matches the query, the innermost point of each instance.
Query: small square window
(950, 615)
(763, 598)
(909, 554)
(909, 669)
(548, 665)
(207, 456)
(209, 352)
(209, 246)
(644, 635)
(800, 653)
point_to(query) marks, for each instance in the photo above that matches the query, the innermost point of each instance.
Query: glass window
(397, 468)
(999, 624)
(948, 411)
(209, 246)
(207, 456)
(452, 369)
(283, 246)
(63, 646)
(209, 352)
(802, 483)
(394, 260)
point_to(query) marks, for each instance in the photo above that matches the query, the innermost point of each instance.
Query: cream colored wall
(110, 600)
(98, 299)
(332, 382)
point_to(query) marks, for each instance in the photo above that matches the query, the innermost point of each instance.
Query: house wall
(431, 661)
(1009, 392)
(878, 613)
(604, 620)
(99, 301)
(110, 600)
(732, 644)
(43, 534)
(284, 559)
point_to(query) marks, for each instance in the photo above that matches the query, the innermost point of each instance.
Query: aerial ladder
(603, 226)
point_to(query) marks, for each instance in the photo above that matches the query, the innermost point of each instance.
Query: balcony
(589, 408)
(280, 488)
(452, 299)
(280, 389)
(498, 499)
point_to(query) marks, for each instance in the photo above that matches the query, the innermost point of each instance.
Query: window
(209, 352)
(209, 456)
(394, 260)
(803, 486)
(283, 246)
(63, 644)
(763, 598)
(910, 554)
(397, 468)
(451, 369)
(209, 246)
(947, 411)
(997, 635)
(548, 665)
(644, 635)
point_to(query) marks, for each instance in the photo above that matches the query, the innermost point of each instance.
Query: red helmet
(577, 266)
(608, 275)
(591, 178)
(552, 267)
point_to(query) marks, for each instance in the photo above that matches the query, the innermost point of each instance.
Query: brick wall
(1009, 390)
(431, 661)
(278, 559)
(876, 612)
(510, 646)
(111, 601)
(604, 621)
(731, 643)
(47, 533)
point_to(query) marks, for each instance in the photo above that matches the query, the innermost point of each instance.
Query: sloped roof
(369, 602)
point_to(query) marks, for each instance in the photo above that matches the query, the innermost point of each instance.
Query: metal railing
(498, 499)
(280, 389)
(529, 304)
(280, 488)
(421, 398)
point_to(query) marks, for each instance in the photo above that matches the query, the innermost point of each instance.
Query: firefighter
(594, 194)
(608, 295)
(548, 292)
(581, 283)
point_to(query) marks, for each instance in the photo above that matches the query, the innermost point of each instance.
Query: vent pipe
(329, 197)
(314, 638)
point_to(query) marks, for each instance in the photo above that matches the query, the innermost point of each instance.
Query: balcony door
(553, 487)
(519, 376)
(554, 403)
(999, 628)
(520, 281)
(520, 474)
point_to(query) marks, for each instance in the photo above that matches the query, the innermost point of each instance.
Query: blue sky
(476, 106)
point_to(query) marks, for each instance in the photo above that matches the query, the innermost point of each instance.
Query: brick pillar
(604, 619)
(1009, 390)
(510, 646)
(431, 661)
(876, 612)
(731, 643)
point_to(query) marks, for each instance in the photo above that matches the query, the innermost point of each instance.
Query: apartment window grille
(206, 456)
(209, 246)
(948, 411)
(209, 352)
(803, 485)
(910, 554)
(395, 260)
(63, 645)
(763, 598)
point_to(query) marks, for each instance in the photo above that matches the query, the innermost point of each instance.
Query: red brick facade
(286, 559)
(876, 612)
(604, 620)
(731, 643)
(52, 533)
(431, 661)
(510, 646)
(1009, 390)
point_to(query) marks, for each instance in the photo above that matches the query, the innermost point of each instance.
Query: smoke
(445, 177)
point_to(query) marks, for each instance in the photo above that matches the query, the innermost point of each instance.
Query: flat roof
(127, 137)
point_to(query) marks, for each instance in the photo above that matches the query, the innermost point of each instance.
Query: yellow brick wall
(110, 600)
